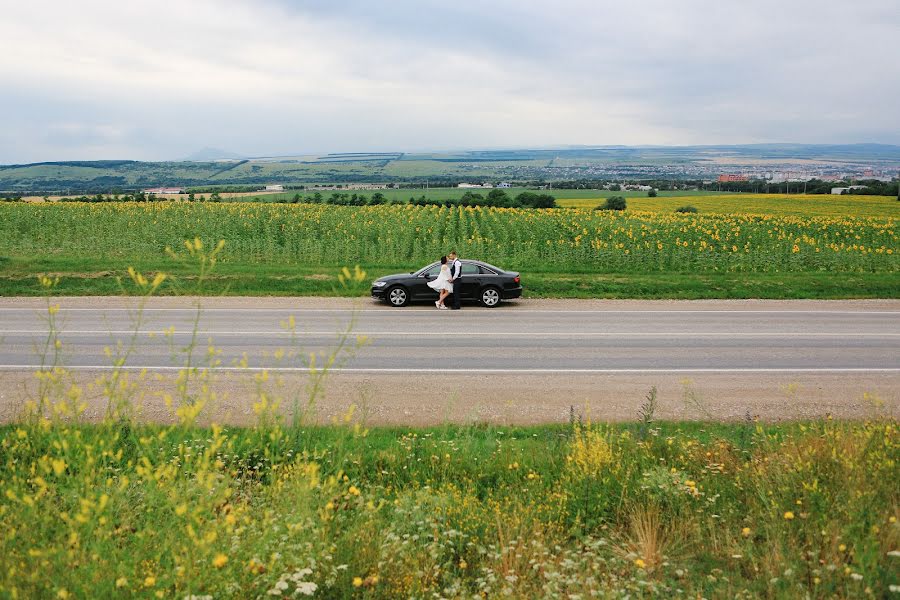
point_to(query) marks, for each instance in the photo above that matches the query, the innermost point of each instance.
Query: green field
(295, 248)
(806, 510)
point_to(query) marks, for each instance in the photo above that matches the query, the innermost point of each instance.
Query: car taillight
(516, 279)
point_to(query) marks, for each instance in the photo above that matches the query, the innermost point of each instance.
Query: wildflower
(181, 509)
(62, 593)
(149, 581)
(353, 491)
(462, 563)
(745, 532)
(788, 516)
(306, 588)
(357, 581)
(640, 564)
(59, 466)
(856, 577)
(121, 582)
(842, 547)
(219, 561)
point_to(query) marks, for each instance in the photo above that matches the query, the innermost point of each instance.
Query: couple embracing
(451, 272)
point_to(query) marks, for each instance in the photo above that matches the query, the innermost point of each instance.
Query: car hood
(395, 277)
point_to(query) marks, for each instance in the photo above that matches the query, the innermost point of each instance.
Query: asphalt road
(520, 338)
(528, 361)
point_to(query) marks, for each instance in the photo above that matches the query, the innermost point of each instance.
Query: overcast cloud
(161, 79)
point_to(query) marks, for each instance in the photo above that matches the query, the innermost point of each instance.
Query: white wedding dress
(442, 282)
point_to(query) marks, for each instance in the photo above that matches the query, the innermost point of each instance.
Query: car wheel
(490, 297)
(397, 296)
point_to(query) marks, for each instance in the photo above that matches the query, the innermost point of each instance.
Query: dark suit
(456, 274)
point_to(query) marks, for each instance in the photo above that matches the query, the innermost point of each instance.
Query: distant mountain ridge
(212, 167)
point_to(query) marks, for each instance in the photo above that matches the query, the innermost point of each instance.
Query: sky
(161, 79)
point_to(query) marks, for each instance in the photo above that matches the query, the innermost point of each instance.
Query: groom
(455, 278)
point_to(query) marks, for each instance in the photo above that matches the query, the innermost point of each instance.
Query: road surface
(527, 361)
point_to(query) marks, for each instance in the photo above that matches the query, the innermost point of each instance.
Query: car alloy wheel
(397, 296)
(490, 297)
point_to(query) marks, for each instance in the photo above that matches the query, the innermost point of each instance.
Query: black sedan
(480, 281)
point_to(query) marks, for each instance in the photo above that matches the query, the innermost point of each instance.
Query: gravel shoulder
(422, 400)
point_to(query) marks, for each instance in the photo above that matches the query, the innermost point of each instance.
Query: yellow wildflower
(640, 564)
(788, 516)
(745, 532)
(357, 581)
(219, 561)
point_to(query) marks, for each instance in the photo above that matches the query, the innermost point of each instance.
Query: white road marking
(476, 371)
(474, 310)
(680, 334)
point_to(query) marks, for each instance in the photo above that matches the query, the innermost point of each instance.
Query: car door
(471, 280)
(419, 288)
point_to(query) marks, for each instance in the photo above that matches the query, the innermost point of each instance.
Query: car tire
(491, 297)
(397, 296)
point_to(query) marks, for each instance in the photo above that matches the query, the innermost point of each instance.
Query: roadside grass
(692, 509)
(95, 277)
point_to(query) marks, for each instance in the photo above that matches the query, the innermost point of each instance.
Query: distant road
(567, 343)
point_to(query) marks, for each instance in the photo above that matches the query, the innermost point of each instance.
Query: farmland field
(768, 204)
(88, 244)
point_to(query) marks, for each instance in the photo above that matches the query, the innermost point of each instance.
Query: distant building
(162, 190)
(503, 184)
(274, 188)
(840, 190)
(366, 186)
(475, 185)
(728, 178)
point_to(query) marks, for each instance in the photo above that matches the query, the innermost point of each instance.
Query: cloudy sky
(161, 79)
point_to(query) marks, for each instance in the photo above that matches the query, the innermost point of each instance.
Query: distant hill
(212, 167)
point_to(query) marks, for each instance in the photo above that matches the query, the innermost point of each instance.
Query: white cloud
(149, 80)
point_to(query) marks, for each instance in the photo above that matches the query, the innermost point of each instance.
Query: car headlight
(379, 284)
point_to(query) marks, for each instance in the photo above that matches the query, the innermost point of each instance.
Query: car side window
(433, 271)
(470, 270)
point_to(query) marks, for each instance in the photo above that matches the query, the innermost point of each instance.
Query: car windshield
(433, 266)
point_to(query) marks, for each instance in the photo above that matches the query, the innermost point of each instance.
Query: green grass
(93, 277)
(656, 510)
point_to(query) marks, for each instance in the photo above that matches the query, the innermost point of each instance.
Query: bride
(442, 284)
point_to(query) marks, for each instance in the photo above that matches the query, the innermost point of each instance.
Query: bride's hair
(443, 260)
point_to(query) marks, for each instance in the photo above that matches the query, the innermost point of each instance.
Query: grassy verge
(95, 277)
(659, 509)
